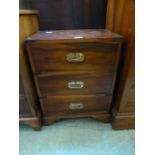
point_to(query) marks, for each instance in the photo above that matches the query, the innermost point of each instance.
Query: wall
(68, 14)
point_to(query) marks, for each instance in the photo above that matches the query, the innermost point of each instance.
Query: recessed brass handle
(75, 84)
(74, 106)
(75, 57)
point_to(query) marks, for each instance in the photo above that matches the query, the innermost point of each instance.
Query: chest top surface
(74, 35)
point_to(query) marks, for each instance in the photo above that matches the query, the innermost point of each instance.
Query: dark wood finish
(101, 49)
(52, 73)
(98, 55)
(68, 14)
(60, 104)
(28, 102)
(34, 122)
(21, 89)
(101, 116)
(124, 122)
(23, 106)
(72, 35)
(57, 83)
(121, 19)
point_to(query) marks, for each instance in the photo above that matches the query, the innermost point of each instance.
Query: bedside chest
(75, 72)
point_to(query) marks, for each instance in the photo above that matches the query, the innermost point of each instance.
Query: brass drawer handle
(75, 84)
(74, 106)
(75, 57)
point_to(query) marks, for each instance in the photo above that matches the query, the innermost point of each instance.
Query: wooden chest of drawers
(75, 72)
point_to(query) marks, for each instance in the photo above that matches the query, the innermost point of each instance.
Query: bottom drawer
(71, 104)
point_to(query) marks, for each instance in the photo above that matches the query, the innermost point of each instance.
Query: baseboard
(123, 121)
(34, 121)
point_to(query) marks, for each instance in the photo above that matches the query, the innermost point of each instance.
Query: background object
(29, 112)
(68, 14)
(121, 19)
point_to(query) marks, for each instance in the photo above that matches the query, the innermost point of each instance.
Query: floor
(76, 137)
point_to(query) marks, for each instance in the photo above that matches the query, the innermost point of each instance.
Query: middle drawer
(75, 83)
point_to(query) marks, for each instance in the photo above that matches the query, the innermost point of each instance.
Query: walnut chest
(74, 72)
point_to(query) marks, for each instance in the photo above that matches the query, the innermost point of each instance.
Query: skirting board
(123, 121)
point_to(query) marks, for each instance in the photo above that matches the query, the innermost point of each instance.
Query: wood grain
(57, 83)
(28, 106)
(101, 116)
(24, 109)
(52, 72)
(74, 35)
(121, 19)
(59, 104)
(126, 121)
(47, 57)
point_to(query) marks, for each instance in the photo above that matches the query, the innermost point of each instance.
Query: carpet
(84, 136)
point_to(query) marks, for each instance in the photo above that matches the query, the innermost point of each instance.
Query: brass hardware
(75, 57)
(78, 37)
(74, 106)
(75, 84)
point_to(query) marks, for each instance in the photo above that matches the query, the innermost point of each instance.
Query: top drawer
(48, 56)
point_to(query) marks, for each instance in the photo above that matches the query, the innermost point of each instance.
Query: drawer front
(75, 83)
(48, 57)
(72, 104)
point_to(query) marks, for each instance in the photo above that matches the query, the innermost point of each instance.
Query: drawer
(83, 56)
(72, 104)
(75, 83)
